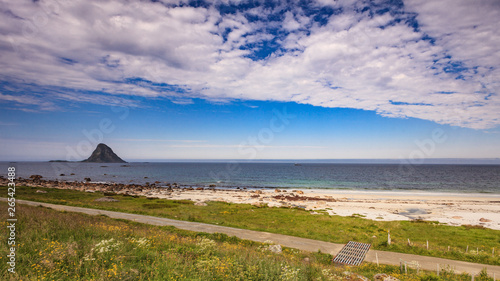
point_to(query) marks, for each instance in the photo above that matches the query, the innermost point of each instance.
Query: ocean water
(429, 177)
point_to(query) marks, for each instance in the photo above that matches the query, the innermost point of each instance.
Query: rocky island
(104, 154)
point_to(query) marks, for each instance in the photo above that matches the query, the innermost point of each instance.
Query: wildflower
(289, 273)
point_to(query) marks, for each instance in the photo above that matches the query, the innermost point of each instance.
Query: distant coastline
(430, 161)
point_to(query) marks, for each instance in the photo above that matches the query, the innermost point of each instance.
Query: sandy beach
(479, 209)
(447, 208)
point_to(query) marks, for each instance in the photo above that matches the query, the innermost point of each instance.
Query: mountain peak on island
(104, 154)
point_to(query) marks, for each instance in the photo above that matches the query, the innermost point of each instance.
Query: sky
(250, 80)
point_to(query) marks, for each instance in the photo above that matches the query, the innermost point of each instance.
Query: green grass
(300, 223)
(57, 245)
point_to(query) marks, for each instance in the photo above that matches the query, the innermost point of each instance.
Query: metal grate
(353, 253)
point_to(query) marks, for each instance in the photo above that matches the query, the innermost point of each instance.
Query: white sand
(447, 208)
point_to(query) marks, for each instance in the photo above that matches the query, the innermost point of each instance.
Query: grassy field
(70, 246)
(444, 241)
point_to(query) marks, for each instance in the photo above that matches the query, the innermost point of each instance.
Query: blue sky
(250, 79)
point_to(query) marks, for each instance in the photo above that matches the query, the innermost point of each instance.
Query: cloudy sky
(250, 79)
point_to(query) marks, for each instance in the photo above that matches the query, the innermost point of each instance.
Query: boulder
(36, 177)
(275, 249)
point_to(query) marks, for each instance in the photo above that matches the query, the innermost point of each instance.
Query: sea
(462, 178)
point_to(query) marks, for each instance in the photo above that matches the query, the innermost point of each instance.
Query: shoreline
(475, 209)
(226, 176)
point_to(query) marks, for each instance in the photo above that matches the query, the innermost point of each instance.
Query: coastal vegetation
(466, 243)
(70, 246)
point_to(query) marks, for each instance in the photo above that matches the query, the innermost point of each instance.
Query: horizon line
(495, 160)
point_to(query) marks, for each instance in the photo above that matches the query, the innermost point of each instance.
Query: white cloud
(349, 62)
(290, 23)
(28, 100)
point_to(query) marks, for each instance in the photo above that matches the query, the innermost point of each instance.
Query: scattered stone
(275, 249)
(41, 191)
(106, 199)
(456, 217)
(371, 208)
(36, 177)
(277, 190)
(484, 220)
(200, 204)
(200, 188)
(62, 175)
(72, 174)
(87, 179)
(384, 277)
(306, 259)
(299, 192)
(258, 192)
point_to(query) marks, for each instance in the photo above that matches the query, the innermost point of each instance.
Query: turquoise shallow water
(431, 177)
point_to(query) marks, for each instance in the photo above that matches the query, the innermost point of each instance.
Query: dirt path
(428, 263)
